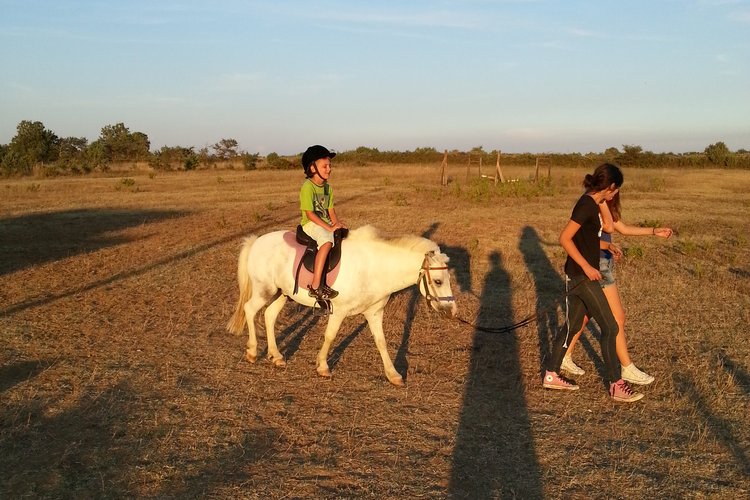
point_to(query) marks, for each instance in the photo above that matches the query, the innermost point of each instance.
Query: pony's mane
(409, 242)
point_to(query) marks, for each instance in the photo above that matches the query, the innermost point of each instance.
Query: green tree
(32, 144)
(226, 149)
(121, 145)
(72, 154)
(718, 153)
(630, 155)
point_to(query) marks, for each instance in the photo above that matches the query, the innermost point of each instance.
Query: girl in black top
(584, 296)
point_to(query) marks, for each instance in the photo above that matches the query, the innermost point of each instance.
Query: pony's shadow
(494, 453)
(292, 335)
(460, 265)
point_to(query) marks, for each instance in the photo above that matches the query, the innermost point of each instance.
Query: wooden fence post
(498, 171)
(444, 173)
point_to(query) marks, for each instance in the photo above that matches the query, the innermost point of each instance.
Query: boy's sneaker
(329, 292)
(635, 376)
(556, 381)
(621, 391)
(315, 293)
(569, 366)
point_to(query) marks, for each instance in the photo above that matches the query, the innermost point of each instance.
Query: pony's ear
(445, 258)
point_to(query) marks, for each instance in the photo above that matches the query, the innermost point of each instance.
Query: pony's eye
(438, 282)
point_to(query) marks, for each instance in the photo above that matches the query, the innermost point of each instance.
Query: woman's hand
(662, 232)
(616, 251)
(592, 273)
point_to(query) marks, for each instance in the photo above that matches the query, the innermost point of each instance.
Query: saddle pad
(305, 276)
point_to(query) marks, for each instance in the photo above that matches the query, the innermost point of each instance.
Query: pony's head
(435, 283)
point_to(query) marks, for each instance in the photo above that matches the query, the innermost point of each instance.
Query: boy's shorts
(320, 235)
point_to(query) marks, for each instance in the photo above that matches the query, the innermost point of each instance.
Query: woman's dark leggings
(585, 298)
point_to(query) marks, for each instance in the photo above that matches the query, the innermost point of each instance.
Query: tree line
(37, 150)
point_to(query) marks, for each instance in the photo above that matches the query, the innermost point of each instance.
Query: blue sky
(515, 75)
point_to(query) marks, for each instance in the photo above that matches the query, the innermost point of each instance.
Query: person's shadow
(550, 297)
(549, 287)
(494, 454)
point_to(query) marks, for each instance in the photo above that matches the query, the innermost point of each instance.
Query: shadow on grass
(494, 455)
(33, 239)
(719, 427)
(16, 373)
(35, 302)
(549, 287)
(739, 373)
(101, 446)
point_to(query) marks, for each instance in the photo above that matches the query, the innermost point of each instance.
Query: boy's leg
(320, 260)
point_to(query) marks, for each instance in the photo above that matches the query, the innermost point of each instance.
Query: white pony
(371, 269)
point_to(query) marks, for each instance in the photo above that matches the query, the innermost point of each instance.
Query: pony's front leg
(375, 321)
(272, 312)
(334, 323)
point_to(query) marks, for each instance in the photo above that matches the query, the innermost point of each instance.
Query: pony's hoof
(397, 381)
(324, 372)
(251, 357)
(279, 363)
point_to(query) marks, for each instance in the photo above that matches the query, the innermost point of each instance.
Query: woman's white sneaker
(569, 366)
(632, 374)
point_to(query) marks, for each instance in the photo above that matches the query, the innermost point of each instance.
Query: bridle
(426, 279)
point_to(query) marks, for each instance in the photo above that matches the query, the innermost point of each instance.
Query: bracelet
(653, 231)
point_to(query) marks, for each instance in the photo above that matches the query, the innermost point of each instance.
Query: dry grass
(118, 380)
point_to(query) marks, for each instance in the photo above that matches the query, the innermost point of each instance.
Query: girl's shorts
(320, 235)
(607, 268)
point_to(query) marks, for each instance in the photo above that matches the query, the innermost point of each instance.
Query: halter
(424, 277)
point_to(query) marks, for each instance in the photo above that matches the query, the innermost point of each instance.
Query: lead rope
(527, 320)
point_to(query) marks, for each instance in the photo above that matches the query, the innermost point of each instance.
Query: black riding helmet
(313, 154)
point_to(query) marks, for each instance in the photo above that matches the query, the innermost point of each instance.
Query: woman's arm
(608, 223)
(628, 230)
(566, 240)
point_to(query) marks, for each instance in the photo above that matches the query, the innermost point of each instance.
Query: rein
(426, 279)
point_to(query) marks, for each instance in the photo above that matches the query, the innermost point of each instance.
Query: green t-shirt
(317, 199)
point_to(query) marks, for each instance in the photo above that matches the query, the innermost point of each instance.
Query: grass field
(117, 378)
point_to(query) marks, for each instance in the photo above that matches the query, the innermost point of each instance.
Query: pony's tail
(236, 325)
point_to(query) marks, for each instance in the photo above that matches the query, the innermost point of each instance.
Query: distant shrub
(250, 161)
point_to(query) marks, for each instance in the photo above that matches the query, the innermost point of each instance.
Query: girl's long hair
(614, 207)
(604, 176)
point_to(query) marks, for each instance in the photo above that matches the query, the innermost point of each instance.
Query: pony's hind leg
(272, 312)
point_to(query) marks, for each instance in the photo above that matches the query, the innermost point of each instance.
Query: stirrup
(322, 307)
